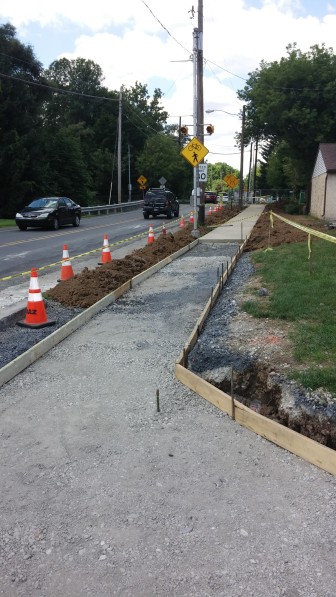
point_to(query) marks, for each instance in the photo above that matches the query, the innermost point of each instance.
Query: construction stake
(232, 397)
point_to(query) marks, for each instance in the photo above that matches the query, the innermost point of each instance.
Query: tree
(20, 109)
(291, 103)
(161, 157)
(216, 174)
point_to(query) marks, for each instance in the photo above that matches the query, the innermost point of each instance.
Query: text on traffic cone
(36, 316)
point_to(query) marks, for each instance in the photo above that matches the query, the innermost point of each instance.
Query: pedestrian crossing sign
(194, 152)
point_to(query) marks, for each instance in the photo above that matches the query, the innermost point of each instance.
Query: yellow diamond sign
(231, 181)
(142, 180)
(194, 152)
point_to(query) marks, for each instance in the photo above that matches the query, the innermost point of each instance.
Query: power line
(58, 89)
(165, 28)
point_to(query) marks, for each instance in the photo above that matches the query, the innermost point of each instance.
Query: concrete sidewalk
(237, 229)
(14, 299)
(102, 494)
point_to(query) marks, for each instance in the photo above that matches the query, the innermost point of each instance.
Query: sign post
(194, 152)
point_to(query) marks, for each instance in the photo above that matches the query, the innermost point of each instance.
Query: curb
(23, 361)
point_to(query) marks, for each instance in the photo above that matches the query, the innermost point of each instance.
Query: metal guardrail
(113, 207)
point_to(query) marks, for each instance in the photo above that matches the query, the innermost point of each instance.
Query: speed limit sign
(202, 172)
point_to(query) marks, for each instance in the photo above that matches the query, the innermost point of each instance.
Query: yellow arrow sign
(142, 179)
(194, 152)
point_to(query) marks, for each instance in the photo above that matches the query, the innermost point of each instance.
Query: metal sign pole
(196, 175)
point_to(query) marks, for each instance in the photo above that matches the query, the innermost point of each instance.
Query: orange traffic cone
(210, 211)
(182, 224)
(164, 231)
(66, 269)
(151, 237)
(36, 316)
(191, 217)
(106, 253)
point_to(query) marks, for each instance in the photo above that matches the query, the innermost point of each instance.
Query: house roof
(328, 152)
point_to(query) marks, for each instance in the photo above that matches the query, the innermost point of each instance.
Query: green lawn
(6, 223)
(303, 292)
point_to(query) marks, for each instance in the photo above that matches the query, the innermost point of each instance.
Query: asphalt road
(22, 250)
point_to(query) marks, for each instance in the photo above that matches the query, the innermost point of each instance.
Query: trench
(253, 386)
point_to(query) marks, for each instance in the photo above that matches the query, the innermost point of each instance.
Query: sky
(151, 41)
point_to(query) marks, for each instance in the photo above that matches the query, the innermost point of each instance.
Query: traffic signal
(210, 129)
(184, 130)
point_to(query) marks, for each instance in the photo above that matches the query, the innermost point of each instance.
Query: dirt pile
(88, 287)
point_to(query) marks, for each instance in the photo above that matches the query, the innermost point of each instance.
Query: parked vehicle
(210, 197)
(49, 212)
(160, 202)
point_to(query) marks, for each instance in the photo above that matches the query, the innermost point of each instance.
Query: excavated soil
(266, 343)
(88, 287)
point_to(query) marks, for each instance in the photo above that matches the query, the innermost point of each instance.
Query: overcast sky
(150, 41)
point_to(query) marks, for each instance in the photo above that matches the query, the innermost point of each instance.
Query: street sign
(142, 187)
(194, 152)
(203, 172)
(231, 181)
(162, 181)
(142, 179)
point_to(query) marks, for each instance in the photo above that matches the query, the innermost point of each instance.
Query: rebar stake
(158, 400)
(232, 397)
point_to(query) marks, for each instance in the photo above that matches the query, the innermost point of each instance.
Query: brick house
(323, 185)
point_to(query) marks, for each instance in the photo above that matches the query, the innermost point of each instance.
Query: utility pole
(195, 231)
(255, 170)
(119, 149)
(241, 177)
(200, 104)
(129, 174)
(250, 171)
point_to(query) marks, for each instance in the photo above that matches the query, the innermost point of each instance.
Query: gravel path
(103, 495)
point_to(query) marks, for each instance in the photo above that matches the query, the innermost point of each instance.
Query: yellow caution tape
(317, 233)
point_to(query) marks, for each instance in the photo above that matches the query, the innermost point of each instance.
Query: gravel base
(103, 495)
(15, 340)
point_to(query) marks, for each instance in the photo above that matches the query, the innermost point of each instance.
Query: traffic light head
(184, 130)
(210, 129)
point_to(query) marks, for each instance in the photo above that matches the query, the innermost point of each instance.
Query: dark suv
(160, 202)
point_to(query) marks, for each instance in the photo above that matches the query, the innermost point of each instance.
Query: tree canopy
(59, 129)
(290, 109)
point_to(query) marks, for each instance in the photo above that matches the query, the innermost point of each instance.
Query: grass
(6, 223)
(303, 292)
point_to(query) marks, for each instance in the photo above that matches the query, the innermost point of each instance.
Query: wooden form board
(282, 436)
(286, 438)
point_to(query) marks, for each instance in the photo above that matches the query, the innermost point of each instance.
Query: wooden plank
(282, 436)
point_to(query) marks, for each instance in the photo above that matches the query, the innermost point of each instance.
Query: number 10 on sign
(202, 172)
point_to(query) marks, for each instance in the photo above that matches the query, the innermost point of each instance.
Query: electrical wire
(58, 89)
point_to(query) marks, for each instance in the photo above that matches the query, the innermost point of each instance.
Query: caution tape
(44, 267)
(311, 231)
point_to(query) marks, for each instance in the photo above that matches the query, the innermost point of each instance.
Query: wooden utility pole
(119, 149)
(200, 104)
(255, 170)
(241, 176)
